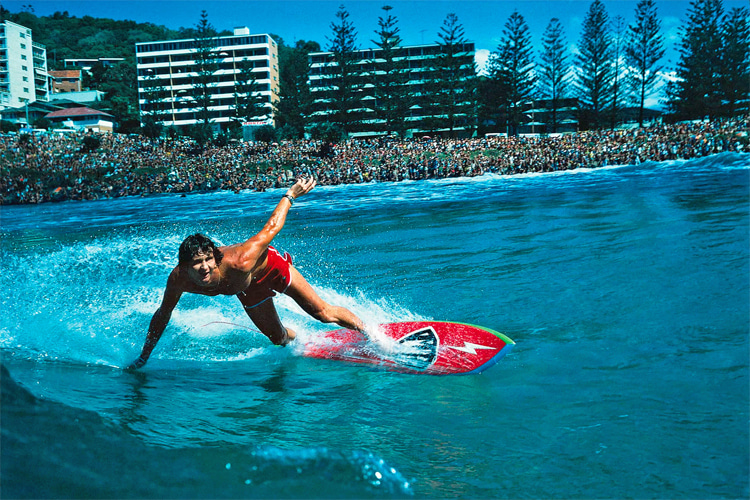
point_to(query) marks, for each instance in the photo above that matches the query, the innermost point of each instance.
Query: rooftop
(74, 112)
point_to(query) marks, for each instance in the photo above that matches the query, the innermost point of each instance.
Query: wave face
(86, 456)
(626, 289)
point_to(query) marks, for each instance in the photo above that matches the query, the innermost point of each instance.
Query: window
(26, 90)
(23, 56)
(23, 35)
(25, 78)
(23, 45)
(24, 68)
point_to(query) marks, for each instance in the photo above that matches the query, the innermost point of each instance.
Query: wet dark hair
(195, 244)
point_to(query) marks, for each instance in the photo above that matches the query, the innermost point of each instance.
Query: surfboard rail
(426, 347)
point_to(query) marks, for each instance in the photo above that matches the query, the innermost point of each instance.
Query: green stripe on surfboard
(502, 336)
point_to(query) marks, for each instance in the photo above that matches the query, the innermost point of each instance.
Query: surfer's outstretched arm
(159, 321)
(278, 217)
(259, 242)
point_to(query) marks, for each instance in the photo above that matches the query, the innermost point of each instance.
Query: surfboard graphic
(430, 347)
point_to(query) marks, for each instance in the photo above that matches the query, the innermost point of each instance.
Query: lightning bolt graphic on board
(469, 348)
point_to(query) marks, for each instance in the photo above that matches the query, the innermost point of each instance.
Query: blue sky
(419, 20)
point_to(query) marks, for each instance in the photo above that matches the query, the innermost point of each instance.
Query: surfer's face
(201, 268)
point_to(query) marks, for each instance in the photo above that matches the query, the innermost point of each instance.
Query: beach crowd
(54, 167)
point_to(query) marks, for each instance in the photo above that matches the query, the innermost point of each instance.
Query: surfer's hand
(302, 186)
(136, 364)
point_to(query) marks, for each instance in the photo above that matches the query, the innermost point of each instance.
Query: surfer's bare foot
(290, 335)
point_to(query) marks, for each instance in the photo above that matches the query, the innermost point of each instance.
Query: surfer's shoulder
(177, 279)
(243, 257)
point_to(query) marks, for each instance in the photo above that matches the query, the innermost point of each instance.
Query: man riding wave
(254, 271)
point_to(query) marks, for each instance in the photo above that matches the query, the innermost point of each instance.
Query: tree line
(614, 66)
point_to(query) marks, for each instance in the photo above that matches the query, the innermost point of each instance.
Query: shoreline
(48, 168)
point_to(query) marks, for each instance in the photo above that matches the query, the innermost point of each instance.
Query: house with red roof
(66, 80)
(83, 118)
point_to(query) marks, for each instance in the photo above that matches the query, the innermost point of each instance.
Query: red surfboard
(430, 347)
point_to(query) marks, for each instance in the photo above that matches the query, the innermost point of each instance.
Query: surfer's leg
(267, 320)
(304, 295)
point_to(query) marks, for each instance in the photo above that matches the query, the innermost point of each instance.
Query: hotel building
(168, 78)
(23, 67)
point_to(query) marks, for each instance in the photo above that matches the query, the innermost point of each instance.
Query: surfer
(254, 271)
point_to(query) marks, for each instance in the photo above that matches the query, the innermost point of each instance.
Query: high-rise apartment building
(23, 67)
(419, 64)
(177, 89)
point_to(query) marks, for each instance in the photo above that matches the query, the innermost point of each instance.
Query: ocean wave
(93, 457)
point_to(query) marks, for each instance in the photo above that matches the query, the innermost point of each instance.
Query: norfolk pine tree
(489, 116)
(643, 49)
(594, 63)
(697, 92)
(553, 81)
(345, 85)
(295, 99)
(735, 62)
(250, 104)
(392, 75)
(207, 66)
(448, 98)
(512, 67)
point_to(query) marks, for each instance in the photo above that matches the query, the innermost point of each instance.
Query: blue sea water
(626, 289)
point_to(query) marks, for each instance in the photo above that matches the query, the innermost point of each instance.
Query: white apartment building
(23, 67)
(168, 73)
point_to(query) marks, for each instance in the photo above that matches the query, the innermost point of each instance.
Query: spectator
(52, 167)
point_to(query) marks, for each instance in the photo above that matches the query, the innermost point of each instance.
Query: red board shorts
(277, 278)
